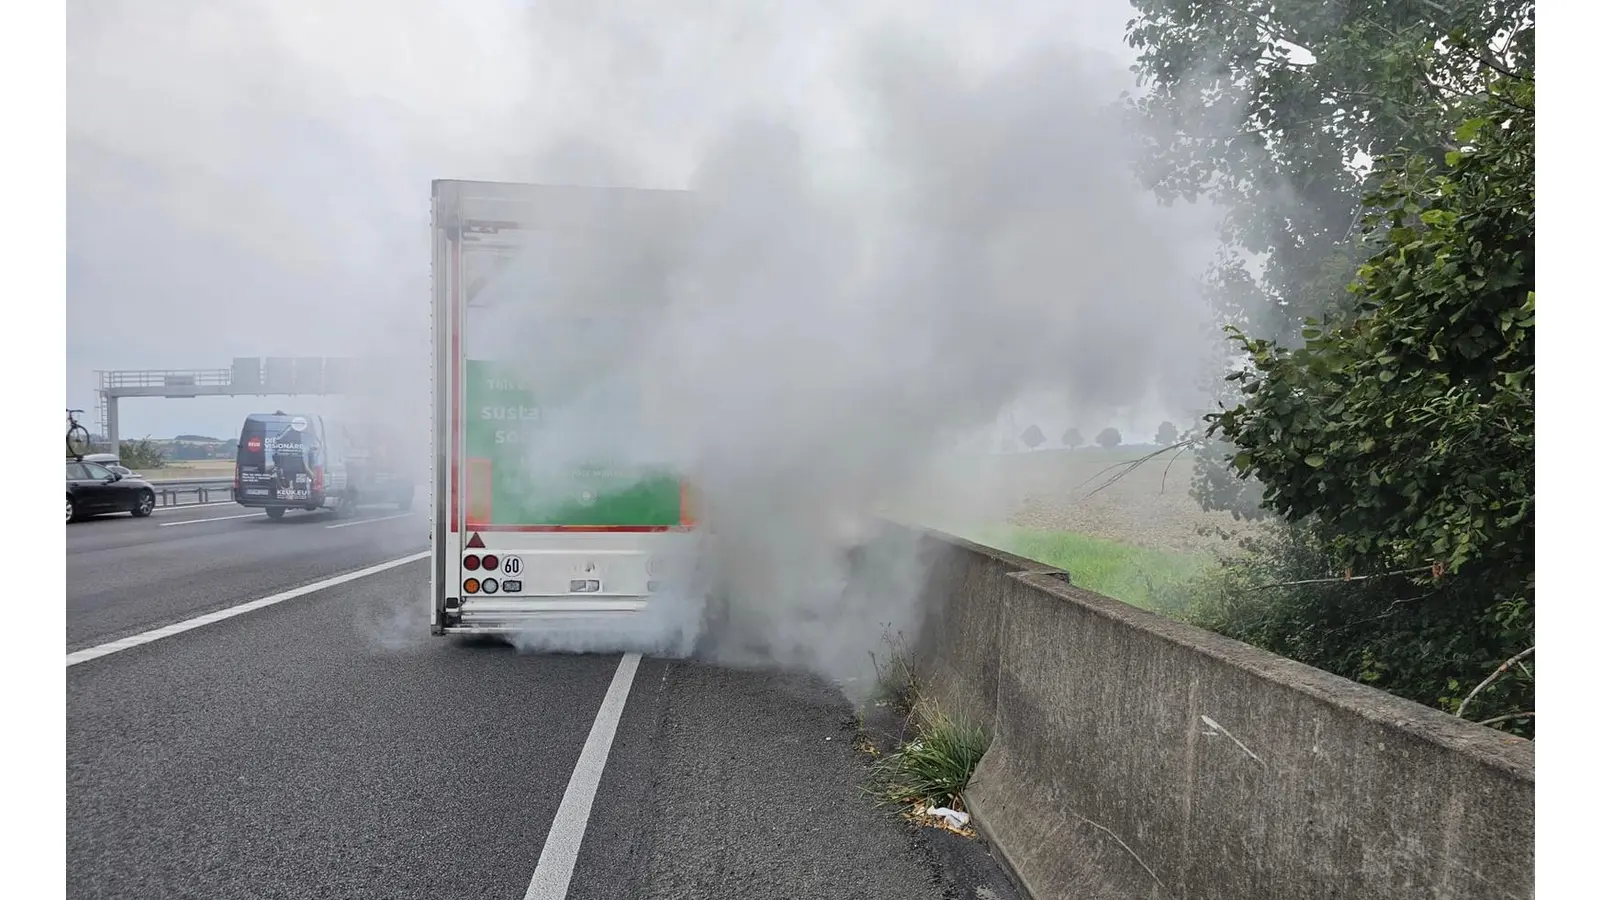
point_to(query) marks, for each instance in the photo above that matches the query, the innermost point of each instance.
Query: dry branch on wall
(1507, 717)
(1344, 578)
(1493, 677)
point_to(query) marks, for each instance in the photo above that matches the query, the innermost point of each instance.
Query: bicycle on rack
(77, 436)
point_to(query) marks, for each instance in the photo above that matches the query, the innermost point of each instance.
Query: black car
(93, 489)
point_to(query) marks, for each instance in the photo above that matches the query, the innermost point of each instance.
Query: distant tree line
(1108, 437)
(149, 453)
(1033, 437)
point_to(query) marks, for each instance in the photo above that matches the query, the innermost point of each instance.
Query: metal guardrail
(203, 490)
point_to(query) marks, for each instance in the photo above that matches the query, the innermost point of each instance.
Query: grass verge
(1148, 579)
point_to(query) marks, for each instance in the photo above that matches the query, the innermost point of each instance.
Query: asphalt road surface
(327, 746)
(127, 575)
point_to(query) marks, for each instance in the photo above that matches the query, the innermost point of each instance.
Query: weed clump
(937, 752)
(934, 768)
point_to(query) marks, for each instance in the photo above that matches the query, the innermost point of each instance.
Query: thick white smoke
(916, 213)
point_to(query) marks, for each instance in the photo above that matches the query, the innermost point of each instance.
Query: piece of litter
(942, 818)
(952, 816)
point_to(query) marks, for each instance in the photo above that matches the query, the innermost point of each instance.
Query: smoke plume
(913, 214)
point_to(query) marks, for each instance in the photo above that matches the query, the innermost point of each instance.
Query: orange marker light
(687, 505)
(470, 585)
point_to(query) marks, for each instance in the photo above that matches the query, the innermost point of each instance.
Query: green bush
(1400, 438)
(1387, 405)
(1424, 638)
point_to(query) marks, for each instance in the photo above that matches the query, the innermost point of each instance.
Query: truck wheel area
(274, 512)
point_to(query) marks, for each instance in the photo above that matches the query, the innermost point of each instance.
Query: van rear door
(251, 482)
(275, 459)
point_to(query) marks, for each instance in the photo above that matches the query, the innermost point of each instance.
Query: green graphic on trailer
(502, 419)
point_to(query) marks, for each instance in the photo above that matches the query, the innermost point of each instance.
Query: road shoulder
(736, 783)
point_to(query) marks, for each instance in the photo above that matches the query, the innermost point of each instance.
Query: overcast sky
(251, 177)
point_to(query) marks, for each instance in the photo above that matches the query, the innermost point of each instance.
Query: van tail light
(316, 479)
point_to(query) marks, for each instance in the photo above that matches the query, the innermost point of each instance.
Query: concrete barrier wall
(958, 649)
(1134, 756)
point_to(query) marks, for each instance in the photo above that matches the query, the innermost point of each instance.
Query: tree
(1109, 438)
(1404, 426)
(1167, 434)
(1032, 437)
(1073, 439)
(141, 454)
(1261, 105)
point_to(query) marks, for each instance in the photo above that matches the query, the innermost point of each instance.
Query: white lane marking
(554, 871)
(365, 521)
(212, 519)
(157, 634)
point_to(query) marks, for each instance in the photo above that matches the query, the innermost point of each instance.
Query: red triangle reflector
(475, 542)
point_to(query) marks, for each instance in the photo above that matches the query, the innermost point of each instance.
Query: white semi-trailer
(552, 498)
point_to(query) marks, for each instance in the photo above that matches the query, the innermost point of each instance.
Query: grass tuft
(937, 753)
(934, 768)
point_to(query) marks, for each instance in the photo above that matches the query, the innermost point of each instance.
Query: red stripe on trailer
(457, 392)
(587, 529)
